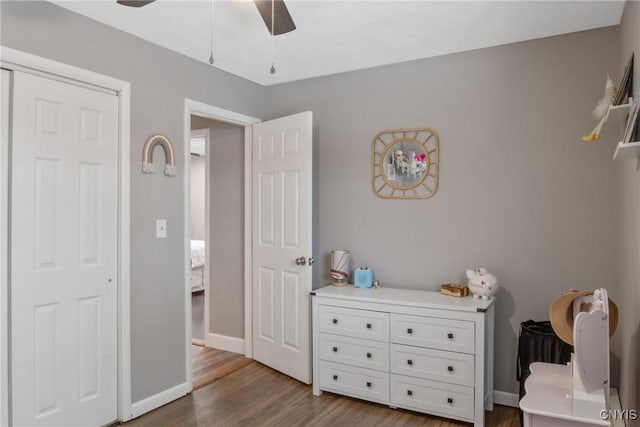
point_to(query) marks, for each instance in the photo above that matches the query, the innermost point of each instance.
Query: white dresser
(410, 349)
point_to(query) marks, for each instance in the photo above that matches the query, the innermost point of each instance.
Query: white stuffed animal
(482, 284)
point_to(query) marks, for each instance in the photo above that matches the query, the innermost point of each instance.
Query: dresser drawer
(433, 332)
(448, 400)
(351, 322)
(437, 365)
(356, 382)
(354, 351)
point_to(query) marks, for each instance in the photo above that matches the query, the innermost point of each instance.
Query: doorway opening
(216, 231)
(217, 245)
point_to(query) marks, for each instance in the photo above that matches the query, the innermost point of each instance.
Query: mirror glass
(405, 163)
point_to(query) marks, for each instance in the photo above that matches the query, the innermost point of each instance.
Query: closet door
(64, 229)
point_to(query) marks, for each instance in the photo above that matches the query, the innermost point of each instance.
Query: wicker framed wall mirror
(405, 163)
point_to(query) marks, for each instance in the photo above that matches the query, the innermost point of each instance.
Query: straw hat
(561, 315)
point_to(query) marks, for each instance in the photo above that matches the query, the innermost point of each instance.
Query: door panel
(63, 245)
(266, 204)
(47, 177)
(266, 309)
(88, 347)
(282, 233)
(290, 297)
(89, 216)
(291, 209)
(45, 338)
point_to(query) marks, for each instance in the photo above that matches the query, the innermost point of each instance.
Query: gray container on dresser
(418, 350)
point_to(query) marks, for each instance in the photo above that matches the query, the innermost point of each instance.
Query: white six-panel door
(282, 197)
(63, 253)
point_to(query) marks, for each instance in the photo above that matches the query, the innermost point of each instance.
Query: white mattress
(197, 253)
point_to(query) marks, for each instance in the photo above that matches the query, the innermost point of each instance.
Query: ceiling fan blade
(134, 3)
(282, 21)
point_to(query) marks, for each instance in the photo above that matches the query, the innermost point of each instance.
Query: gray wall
(628, 334)
(226, 233)
(198, 197)
(160, 80)
(519, 193)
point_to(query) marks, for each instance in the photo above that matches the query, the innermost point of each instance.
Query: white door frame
(4, 255)
(200, 109)
(21, 61)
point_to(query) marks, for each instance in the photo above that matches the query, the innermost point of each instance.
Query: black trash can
(538, 343)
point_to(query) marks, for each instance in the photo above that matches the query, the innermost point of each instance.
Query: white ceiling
(339, 36)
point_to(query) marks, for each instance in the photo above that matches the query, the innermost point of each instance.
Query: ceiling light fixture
(211, 61)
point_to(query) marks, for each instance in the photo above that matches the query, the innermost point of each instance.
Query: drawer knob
(368, 325)
(335, 321)
(450, 335)
(450, 400)
(368, 384)
(450, 368)
(409, 330)
(335, 349)
(409, 393)
(409, 362)
(369, 355)
(335, 377)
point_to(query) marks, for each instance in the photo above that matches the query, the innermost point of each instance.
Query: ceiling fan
(281, 19)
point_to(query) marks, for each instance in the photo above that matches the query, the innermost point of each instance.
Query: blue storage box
(363, 277)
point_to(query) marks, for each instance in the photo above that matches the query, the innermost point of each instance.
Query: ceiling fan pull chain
(272, 70)
(211, 61)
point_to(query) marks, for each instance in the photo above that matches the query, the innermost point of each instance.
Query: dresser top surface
(411, 297)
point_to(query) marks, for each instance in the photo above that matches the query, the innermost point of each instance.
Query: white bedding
(197, 253)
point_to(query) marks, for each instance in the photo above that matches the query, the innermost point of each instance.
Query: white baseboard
(506, 399)
(157, 400)
(223, 342)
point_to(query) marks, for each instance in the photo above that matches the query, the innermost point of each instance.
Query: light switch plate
(161, 228)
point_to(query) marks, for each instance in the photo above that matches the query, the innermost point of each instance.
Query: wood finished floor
(210, 364)
(255, 395)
